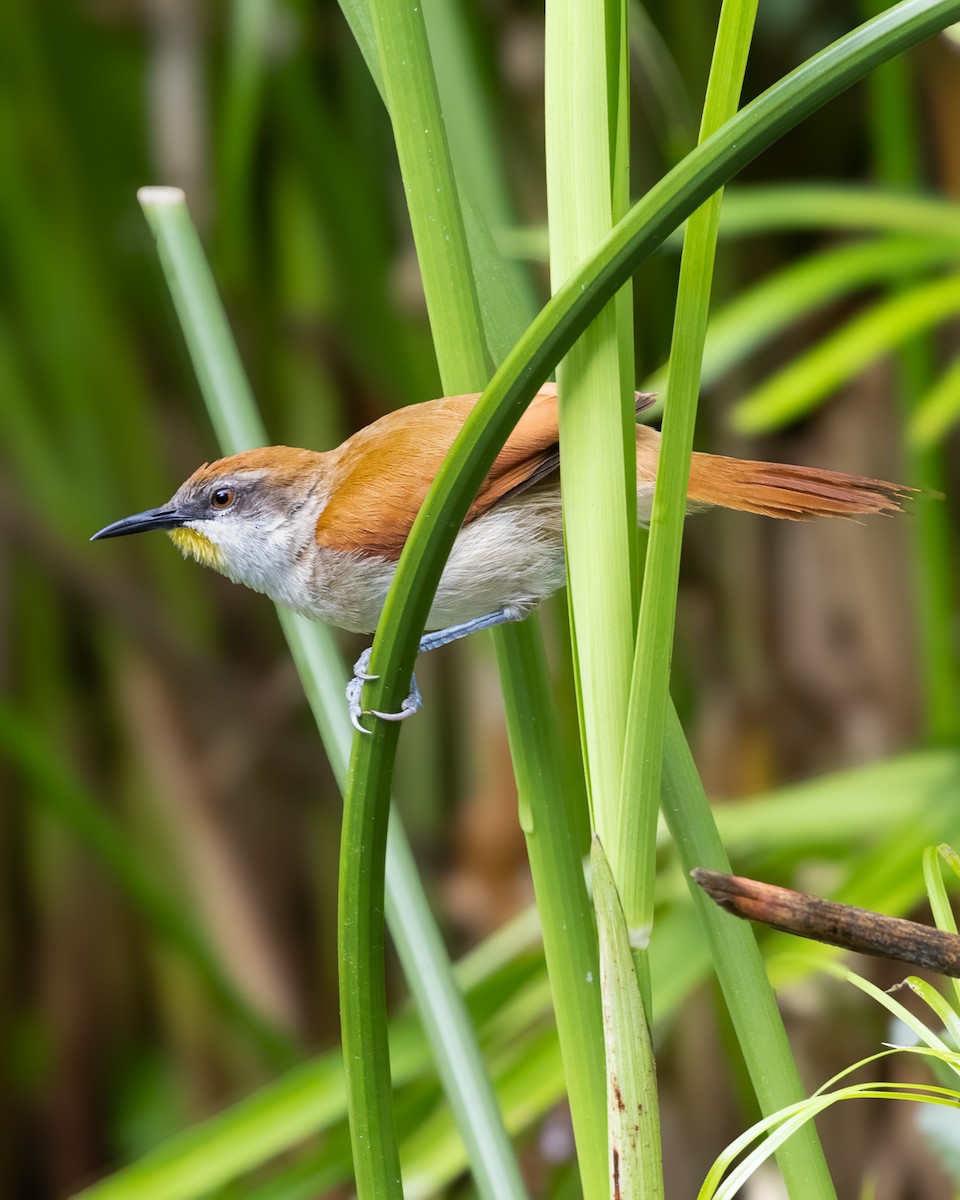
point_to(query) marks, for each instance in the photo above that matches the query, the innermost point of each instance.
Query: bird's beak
(153, 518)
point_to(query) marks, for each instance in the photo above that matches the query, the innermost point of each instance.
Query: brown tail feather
(788, 492)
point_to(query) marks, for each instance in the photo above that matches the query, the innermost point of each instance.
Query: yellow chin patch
(192, 544)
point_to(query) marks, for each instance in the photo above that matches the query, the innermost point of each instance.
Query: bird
(321, 531)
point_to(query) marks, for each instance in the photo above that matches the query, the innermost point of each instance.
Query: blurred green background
(168, 825)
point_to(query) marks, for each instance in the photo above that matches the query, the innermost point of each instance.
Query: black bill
(153, 518)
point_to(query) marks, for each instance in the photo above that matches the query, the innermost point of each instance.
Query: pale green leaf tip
(762, 416)
(923, 432)
(744, 418)
(157, 197)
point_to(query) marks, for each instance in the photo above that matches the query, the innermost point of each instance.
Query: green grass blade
(470, 132)
(938, 411)
(758, 315)
(939, 900)
(639, 796)
(939, 1005)
(410, 93)
(810, 379)
(752, 210)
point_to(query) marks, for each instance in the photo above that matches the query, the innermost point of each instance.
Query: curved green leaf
(938, 411)
(765, 310)
(810, 379)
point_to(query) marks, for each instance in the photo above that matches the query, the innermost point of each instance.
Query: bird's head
(247, 516)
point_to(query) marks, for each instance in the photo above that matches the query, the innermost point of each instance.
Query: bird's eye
(222, 498)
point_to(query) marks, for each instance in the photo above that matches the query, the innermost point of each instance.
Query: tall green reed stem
(234, 416)
(634, 854)
(597, 439)
(587, 139)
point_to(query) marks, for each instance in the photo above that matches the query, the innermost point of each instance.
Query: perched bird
(321, 532)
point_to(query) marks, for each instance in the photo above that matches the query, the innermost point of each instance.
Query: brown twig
(835, 924)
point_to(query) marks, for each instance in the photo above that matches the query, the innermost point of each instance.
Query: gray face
(241, 523)
(198, 504)
(231, 496)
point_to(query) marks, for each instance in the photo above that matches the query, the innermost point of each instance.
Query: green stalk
(633, 1115)
(237, 424)
(578, 300)
(542, 764)
(549, 336)
(633, 850)
(634, 856)
(597, 441)
(587, 143)
(556, 867)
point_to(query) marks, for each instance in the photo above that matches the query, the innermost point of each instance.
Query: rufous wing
(380, 476)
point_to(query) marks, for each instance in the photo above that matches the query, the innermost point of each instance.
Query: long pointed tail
(788, 492)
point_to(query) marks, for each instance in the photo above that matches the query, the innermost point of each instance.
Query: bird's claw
(360, 667)
(354, 688)
(411, 704)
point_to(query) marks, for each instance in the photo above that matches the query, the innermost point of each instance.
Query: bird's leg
(429, 641)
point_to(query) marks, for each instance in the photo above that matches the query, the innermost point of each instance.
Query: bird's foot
(361, 675)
